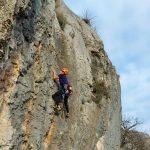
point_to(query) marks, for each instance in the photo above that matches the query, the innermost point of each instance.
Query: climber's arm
(55, 77)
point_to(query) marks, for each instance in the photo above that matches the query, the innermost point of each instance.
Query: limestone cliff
(34, 36)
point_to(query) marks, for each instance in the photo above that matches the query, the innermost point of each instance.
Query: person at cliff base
(64, 86)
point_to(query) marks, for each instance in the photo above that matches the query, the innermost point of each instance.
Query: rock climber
(64, 86)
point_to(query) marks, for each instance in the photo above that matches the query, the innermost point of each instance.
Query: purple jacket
(63, 79)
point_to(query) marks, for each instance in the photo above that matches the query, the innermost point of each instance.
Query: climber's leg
(66, 105)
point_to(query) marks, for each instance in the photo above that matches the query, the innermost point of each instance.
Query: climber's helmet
(65, 71)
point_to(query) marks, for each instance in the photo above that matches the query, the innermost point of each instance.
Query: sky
(124, 27)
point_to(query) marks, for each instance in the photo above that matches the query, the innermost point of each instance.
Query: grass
(87, 18)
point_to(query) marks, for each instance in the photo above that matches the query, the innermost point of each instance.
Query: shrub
(87, 18)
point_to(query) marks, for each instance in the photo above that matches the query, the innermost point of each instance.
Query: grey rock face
(34, 36)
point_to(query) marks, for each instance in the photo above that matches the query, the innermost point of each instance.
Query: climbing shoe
(67, 115)
(55, 107)
(59, 108)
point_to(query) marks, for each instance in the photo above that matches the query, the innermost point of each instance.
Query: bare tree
(128, 126)
(131, 123)
(131, 139)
